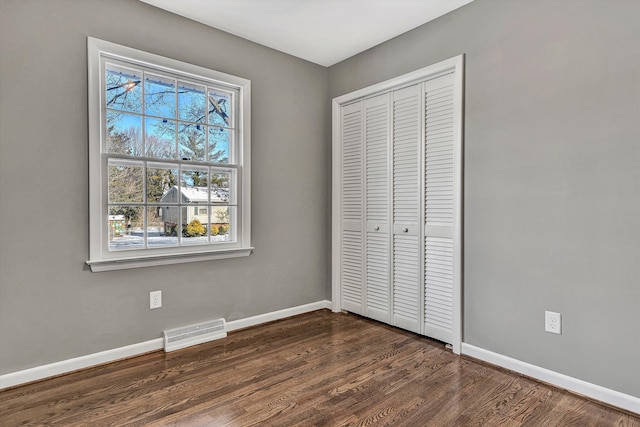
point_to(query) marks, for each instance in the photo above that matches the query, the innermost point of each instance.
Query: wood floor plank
(316, 369)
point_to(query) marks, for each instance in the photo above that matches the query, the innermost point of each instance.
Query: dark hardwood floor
(317, 369)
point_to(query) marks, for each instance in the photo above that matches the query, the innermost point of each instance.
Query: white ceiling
(321, 31)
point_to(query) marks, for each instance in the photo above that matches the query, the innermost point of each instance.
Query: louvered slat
(377, 289)
(439, 209)
(439, 287)
(406, 207)
(406, 162)
(352, 267)
(376, 146)
(352, 263)
(406, 282)
(352, 165)
(376, 112)
(439, 139)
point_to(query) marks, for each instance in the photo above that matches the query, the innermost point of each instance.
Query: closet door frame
(453, 65)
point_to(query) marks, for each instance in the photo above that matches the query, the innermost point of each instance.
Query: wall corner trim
(37, 373)
(593, 391)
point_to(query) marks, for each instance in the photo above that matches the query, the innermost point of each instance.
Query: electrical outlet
(553, 322)
(155, 299)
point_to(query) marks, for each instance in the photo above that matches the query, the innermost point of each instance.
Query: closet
(397, 180)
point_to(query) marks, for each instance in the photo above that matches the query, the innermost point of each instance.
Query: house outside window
(169, 160)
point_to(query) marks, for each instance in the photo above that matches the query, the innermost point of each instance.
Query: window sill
(149, 261)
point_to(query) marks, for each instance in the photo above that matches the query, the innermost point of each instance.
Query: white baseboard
(593, 391)
(276, 315)
(65, 366)
(70, 365)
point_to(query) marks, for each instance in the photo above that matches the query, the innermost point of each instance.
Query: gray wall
(552, 175)
(51, 306)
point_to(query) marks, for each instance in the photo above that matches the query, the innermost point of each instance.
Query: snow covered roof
(200, 194)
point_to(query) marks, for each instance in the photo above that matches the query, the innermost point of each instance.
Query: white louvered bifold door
(440, 215)
(397, 201)
(352, 238)
(407, 137)
(377, 285)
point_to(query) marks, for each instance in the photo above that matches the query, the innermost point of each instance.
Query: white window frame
(100, 258)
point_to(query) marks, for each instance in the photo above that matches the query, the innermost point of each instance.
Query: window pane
(219, 143)
(219, 109)
(191, 102)
(162, 227)
(220, 183)
(124, 133)
(126, 182)
(194, 185)
(160, 138)
(123, 89)
(194, 228)
(221, 224)
(160, 96)
(126, 227)
(191, 142)
(162, 182)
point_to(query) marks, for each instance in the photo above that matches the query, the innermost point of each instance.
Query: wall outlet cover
(155, 299)
(553, 322)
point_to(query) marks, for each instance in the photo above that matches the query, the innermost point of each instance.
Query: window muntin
(185, 122)
(173, 159)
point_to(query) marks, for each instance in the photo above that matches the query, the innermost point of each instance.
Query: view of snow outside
(155, 238)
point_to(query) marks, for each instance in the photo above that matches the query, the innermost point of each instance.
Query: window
(169, 160)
